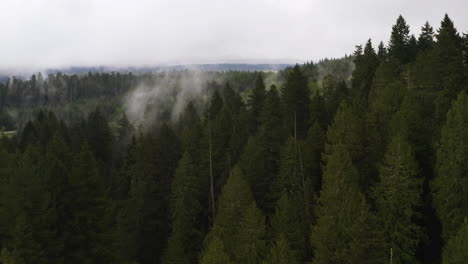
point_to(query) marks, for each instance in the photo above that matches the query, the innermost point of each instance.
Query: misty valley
(358, 159)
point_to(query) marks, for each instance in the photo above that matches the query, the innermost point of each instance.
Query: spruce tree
(287, 222)
(184, 209)
(361, 83)
(255, 103)
(235, 198)
(250, 239)
(426, 38)
(451, 182)
(87, 227)
(398, 196)
(343, 232)
(296, 100)
(398, 44)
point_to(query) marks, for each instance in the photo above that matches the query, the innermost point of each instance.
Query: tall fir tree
(426, 38)
(296, 100)
(398, 198)
(398, 44)
(343, 231)
(184, 208)
(255, 103)
(451, 182)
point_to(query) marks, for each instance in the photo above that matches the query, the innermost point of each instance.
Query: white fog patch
(166, 95)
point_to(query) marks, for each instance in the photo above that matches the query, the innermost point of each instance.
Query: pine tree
(348, 130)
(363, 75)
(451, 182)
(255, 103)
(449, 68)
(381, 52)
(253, 163)
(296, 100)
(87, 227)
(287, 222)
(343, 232)
(398, 195)
(216, 104)
(398, 44)
(426, 38)
(235, 198)
(311, 156)
(250, 241)
(184, 207)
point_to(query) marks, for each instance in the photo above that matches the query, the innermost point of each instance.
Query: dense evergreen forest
(362, 159)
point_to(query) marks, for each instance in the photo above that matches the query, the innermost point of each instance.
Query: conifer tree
(342, 233)
(184, 208)
(381, 52)
(448, 68)
(426, 38)
(87, 225)
(361, 82)
(398, 196)
(311, 156)
(235, 198)
(255, 103)
(451, 182)
(348, 130)
(250, 239)
(398, 44)
(296, 100)
(287, 223)
(253, 163)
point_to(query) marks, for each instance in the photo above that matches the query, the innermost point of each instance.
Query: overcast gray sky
(55, 33)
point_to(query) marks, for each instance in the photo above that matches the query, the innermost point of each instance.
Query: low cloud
(59, 33)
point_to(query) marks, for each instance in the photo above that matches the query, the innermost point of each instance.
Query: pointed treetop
(426, 38)
(399, 40)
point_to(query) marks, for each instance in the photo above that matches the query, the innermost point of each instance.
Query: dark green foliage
(184, 208)
(287, 223)
(455, 252)
(296, 99)
(343, 231)
(426, 38)
(381, 52)
(348, 130)
(215, 253)
(87, 228)
(361, 82)
(311, 156)
(398, 198)
(239, 225)
(450, 183)
(280, 253)
(255, 103)
(250, 239)
(399, 41)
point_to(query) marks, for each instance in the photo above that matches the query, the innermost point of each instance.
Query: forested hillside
(362, 159)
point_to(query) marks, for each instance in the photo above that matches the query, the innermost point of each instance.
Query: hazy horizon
(58, 34)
